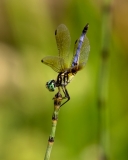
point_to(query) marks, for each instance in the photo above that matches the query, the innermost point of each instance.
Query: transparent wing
(63, 41)
(84, 52)
(53, 62)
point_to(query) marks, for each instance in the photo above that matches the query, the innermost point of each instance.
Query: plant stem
(103, 127)
(57, 103)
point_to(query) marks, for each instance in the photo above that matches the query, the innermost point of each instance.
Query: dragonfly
(60, 64)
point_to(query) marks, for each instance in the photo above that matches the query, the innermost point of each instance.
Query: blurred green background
(84, 130)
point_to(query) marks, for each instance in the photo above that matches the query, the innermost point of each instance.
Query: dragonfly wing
(63, 41)
(53, 62)
(84, 53)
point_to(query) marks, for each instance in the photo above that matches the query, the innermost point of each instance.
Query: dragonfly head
(50, 85)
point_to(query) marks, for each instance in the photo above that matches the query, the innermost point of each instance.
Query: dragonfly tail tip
(86, 28)
(87, 25)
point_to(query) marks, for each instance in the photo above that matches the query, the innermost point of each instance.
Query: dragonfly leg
(66, 95)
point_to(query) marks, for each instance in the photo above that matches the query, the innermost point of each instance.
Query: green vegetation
(26, 106)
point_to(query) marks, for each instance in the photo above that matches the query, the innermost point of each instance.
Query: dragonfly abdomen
(79, 42)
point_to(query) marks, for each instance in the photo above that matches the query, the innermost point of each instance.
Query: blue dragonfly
(66, 71)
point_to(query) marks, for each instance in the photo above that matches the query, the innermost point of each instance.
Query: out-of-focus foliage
(26, 36)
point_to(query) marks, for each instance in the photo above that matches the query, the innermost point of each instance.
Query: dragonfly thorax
(50, 85)
(64, 78)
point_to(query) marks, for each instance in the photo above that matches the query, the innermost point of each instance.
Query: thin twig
(57, 104)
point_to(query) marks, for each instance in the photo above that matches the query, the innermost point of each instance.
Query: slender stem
(103, 136)
(57, 103)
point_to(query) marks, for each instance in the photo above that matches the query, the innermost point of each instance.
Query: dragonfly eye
(50, 85)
